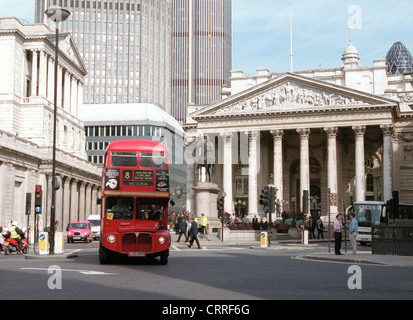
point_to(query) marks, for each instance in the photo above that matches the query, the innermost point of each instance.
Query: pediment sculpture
(289, 96)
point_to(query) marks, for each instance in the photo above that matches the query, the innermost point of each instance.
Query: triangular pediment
(68, 47)
(290, 92)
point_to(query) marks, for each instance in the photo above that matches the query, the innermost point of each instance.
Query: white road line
(87, 272)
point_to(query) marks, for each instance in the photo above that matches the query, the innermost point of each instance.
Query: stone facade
(26, 126)
(346, 132)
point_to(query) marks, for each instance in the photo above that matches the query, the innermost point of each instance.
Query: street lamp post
(56, 14)
(222, 194)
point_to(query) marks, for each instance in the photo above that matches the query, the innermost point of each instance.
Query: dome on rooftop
(350, 54)
(399, 60)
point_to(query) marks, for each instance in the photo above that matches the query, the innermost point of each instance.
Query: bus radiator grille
(129, 243)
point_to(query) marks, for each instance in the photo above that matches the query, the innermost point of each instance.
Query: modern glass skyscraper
(125, 45)
(201, 52)
(399, 60)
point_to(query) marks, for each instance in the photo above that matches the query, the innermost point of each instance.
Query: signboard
(162, 181)
(112, 179)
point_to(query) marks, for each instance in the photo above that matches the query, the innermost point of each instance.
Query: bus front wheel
(104, 255)
(164, 257)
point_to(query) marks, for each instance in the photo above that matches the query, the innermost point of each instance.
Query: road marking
(86, 272)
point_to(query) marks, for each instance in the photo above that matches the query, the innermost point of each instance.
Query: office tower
(125, 45)
(201, 52)
(399, 60)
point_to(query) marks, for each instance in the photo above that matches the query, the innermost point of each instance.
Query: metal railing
(392, 240)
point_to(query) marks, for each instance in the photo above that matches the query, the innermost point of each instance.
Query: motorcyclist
(16, 234)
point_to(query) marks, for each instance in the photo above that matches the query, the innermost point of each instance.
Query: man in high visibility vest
(15, 234)
(204, 222)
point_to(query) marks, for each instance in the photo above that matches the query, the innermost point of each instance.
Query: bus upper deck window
(124, 159)
(152, 160)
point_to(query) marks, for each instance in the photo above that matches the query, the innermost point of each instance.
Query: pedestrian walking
(194, 233)
(338, 229)
(354, 227)
(320, 229)
(182, 228)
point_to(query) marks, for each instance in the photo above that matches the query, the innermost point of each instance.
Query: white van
(95, 222)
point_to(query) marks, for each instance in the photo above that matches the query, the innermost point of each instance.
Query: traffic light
(271, 199)
(38, 199)
(220, 203)
(264, 197)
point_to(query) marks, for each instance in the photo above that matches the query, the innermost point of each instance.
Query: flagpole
(291, 36)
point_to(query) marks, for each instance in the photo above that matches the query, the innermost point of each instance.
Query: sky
(261, 31)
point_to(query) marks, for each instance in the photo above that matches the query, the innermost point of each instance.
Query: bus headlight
(111, 238)
(161, 240)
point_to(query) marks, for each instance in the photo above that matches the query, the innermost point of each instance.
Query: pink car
(79, 231)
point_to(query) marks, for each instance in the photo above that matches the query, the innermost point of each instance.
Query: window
(370, 183)
(119, 208)
(152, 160)
(124, 159)
(241, 186)
(150, 208)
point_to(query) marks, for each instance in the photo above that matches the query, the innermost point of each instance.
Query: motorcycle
(10, 245)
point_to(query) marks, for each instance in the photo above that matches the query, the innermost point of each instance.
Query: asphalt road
(216, 272)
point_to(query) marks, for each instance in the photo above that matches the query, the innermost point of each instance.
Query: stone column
(88, 204)
(387, 161)
(59, 85)
(42, 74)
(50, 79)
(59, 209)
(82, 201)
(73, 99)
(79, 107)
(190, 143)
(74, 201)
(332, 168)
(278, 162)
(227, 174)
(304, 165)
(66, 203)
(35, 54)
(252, 174)
(359, 132)
(66, 91)
(94, 204)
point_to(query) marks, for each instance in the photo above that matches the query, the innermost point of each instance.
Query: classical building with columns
(343, 134)
(27, 62)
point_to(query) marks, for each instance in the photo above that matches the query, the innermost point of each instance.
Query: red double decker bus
(135, 197)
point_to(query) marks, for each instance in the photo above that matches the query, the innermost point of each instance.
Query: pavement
(311, 251)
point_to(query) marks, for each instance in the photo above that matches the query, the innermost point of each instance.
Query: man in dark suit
(194, 233)
(320, 229)
(182, 229)
(311, 226)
